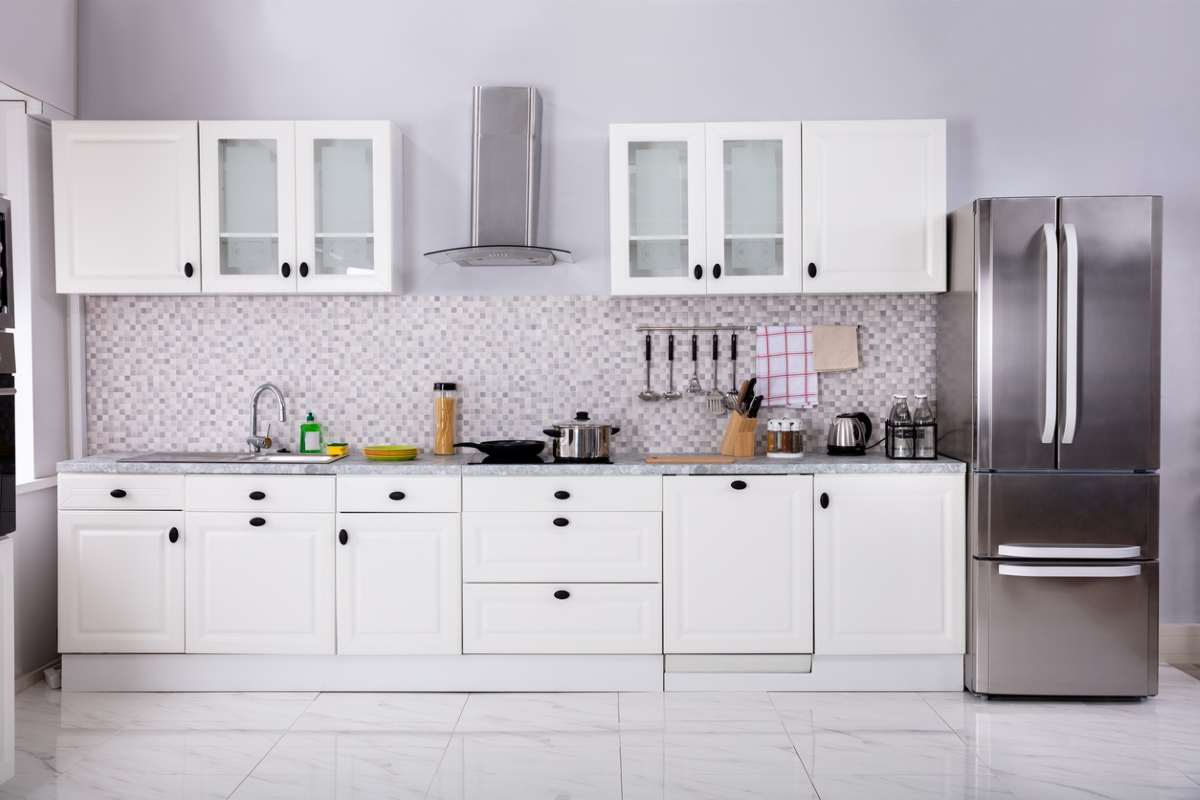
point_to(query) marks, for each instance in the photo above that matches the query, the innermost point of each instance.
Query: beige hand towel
(835, 347)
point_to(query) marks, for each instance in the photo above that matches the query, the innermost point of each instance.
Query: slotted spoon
(671, 393)
(715, 397)
(694, 386)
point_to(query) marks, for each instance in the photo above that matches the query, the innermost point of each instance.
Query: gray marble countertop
(623, 464)
(356, 464)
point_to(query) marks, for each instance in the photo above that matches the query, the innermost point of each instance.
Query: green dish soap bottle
(312, 439)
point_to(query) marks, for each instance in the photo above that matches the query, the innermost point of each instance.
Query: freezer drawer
(1065, 628)
(1102, 511)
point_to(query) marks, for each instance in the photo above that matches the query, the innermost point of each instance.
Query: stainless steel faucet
(256, 442)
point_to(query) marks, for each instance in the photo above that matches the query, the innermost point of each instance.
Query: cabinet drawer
(387, 493)
(564, 493)
(593, 618)
(260, 493)
(120, 491)
(585, 546)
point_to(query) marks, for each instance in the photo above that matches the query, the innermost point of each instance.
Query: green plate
(396, 457)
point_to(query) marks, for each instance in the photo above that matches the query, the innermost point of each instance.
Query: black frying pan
(507, 448)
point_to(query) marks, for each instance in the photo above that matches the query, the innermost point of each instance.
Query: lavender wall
(1046, 98)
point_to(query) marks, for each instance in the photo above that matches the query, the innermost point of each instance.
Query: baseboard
(1179, 644)
(34, 676)
(931, 673)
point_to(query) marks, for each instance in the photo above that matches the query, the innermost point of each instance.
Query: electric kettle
(848, 434)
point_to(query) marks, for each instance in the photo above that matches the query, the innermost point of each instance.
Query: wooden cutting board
(690, 459)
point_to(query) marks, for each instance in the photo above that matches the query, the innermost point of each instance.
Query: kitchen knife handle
(1050, 410)
(1071, 378)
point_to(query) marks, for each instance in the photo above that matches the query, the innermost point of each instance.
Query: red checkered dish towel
(786, 374)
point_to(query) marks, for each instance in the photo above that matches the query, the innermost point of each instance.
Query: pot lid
(582, 421)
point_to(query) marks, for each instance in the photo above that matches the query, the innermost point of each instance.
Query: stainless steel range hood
(505, 171)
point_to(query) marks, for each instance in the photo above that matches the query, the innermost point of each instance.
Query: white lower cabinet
(121, 581)
(890, 564)
(260, 584)
(398, 588)
(738, 569)
(596, 618)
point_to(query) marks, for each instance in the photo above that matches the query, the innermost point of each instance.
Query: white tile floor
(779, 746)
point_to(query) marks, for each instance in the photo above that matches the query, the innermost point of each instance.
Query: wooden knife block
(739, 435)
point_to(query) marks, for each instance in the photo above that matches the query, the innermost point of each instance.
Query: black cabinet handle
(343, 537)
(739, 485)
(258, 495)
(716, 270)
(188, 270)
(562, 594)
(286, 270)
(257, 522)
(561, 522)
(824, 500)
(173, 536)
(396, 496)
(698, 272)
(562, 495)
(812, 270)
(303, 269)
(118, 493)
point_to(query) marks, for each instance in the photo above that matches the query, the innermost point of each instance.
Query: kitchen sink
(178, 457)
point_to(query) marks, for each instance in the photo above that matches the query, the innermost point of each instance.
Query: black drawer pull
(739, 485)
(343, 537)
(562, 594)
(396, 495)
(562, 522)
(287, 269)
(716, 270)
(187, 270)
(824, 500)
(303, 269)
(118, 493)
(258, 495)
(698, 272)
(257, 522)
(562, 495)
(173, 536)
(812, 270)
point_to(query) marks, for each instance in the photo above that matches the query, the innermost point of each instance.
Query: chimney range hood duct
(505, 171)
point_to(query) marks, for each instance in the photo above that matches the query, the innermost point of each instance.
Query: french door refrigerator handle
(1049, 413)
(1071, 377)
(1050, 551)
(1065, 571)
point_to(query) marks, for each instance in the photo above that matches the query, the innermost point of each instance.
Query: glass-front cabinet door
(753, 181)
(346, 212)
(657, 209)
(247, 207)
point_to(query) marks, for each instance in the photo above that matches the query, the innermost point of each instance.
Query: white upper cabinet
(875, 206)
(778, 207)
(126, 207)
(890, 553)
(248, 206)
(657, 209)
(753, 180)
(346, 209)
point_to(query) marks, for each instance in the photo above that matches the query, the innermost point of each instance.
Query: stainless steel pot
(581, 439)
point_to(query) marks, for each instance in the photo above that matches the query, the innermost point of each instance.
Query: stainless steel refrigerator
(1048, 387)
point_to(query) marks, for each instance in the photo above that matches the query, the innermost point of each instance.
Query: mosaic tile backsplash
(177, 373)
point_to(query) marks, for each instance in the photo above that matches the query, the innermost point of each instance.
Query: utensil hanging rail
(643, 328)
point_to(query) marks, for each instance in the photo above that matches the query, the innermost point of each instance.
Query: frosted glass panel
(658, 209)
(344, 188)
(248, 178)
(754, 207)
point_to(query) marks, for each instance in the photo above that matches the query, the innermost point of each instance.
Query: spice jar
(785, 436)
(774, 434)
(445, 402)
(797, 438)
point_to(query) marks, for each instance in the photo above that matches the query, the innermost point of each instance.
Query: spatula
(715, 397)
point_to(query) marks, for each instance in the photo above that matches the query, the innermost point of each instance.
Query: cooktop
(482, 459)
